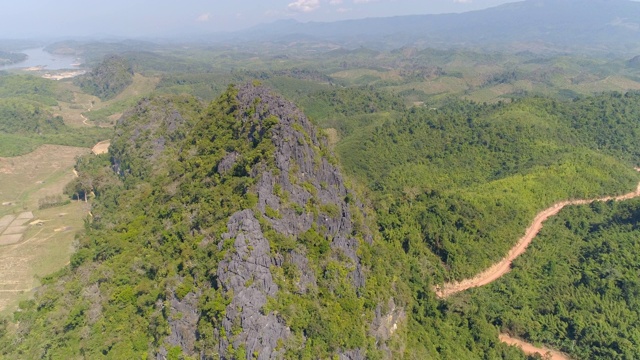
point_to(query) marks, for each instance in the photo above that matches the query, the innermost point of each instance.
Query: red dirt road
(504, 266)
(530, 349)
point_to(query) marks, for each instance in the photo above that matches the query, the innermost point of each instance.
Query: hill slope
(107, 79)
(230, 231)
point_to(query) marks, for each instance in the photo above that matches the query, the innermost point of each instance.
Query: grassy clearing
(72, 111)
(27, 178)
(44, 249)
(87, 110)
(47, 247)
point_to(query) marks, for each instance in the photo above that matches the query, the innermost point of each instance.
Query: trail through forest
(504, 266)
(531, 350)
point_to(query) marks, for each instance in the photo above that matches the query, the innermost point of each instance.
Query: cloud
(335, 2)
(203, 17)
(362, 1)
(304, 6)
(463, 1)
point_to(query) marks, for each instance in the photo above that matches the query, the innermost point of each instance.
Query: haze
(76, 18)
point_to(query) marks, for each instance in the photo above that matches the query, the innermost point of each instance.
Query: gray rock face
(227, 162)
(352, 355)
(385, 325)
(303, 191)
(183, 322)
(305, 175)
(246, 275)
(184, 316)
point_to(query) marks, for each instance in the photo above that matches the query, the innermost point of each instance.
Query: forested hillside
(325, 190)
(211, 220)
(219, 220)
(11, 57)
(577, 287)
(27, 119)
(108, 78)
(459, 184)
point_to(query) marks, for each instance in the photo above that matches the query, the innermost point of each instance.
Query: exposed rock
(353, 355)
(385, 325)
(227, 162)
(304, 174)
(183, 320)
(246, 275)
(307, 277)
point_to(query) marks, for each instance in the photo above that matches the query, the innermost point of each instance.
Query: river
(40, 58)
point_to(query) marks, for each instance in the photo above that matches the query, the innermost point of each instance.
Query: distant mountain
(602, 25)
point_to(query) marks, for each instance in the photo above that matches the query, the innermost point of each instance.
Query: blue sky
(37, 18)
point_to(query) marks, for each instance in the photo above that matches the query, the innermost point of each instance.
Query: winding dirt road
(504, 266)
(531, 350)
(84, 118)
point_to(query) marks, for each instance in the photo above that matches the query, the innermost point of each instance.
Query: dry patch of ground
(332, 136)
(72, 111)
(30, 246)
(26, 179)
(141, 85)
(102, 147)
(63, 74)
(12, 227)
(38, 251)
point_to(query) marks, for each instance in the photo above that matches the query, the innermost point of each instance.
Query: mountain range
(600, 25)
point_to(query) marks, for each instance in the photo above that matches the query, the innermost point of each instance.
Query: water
(39, 57)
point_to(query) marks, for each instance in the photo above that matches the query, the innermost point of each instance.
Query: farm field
(33, 242)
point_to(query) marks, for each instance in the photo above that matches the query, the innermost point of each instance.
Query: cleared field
(141, 86)
(72, 112)
(34, 243)
(78, 112)
(12, 227)
(38, 251)
(27, 178)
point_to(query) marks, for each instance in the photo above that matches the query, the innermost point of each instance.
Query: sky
(21, 19)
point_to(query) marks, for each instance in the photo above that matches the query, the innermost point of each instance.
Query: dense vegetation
(448, 184)
(27, 121)
(107, 79)
(577, 287)
(154, 236)
(463, 181)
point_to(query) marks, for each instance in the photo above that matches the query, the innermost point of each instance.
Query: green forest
(27, 118)
(334, 191)
(577, 287)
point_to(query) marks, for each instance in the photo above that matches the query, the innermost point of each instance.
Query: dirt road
(531, 350)
(84, 118)
(504, 266)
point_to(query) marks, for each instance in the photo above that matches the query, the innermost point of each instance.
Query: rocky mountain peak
(301, 200)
